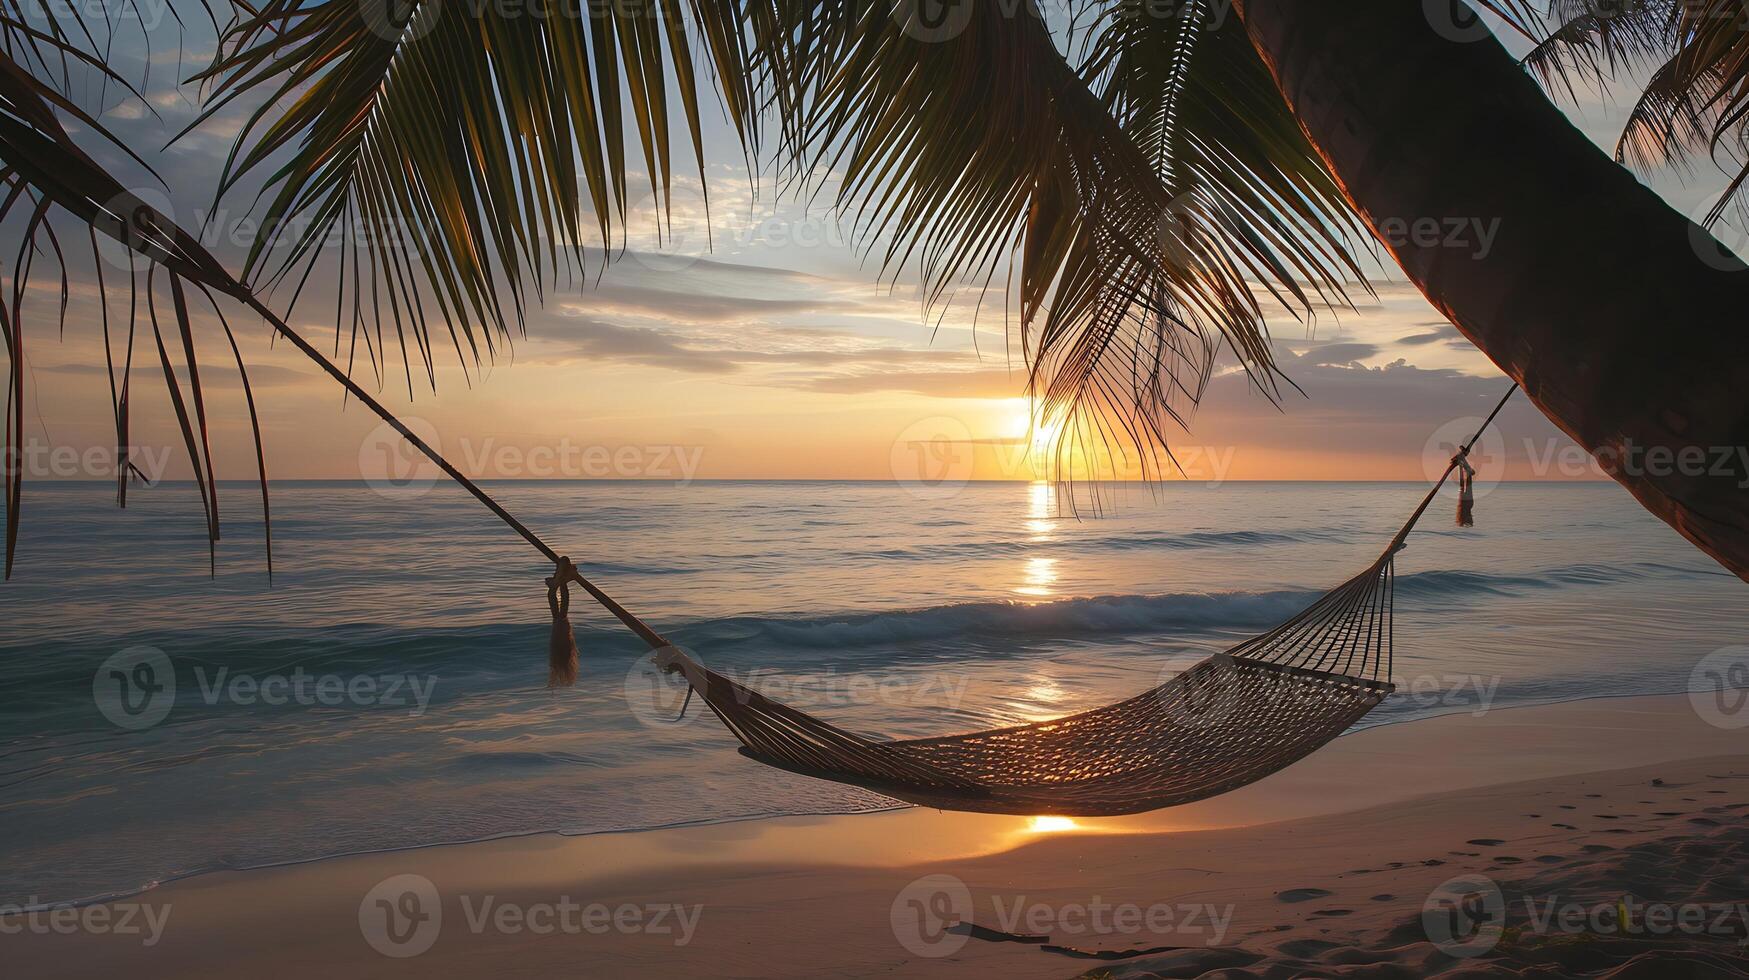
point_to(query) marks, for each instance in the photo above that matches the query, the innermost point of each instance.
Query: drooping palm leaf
(1138, 220)
(1695, 100)
(1592, 41)
(462, 148)
(44, 165)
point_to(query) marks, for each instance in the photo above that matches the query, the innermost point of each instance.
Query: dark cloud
(1349, 353)
(1387, 410)
(1440, 331)
(595, 340)
(582, 338)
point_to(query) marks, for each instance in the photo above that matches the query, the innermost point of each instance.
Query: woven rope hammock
(1225, 722)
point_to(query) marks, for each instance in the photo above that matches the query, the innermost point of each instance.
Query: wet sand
(1610, 814)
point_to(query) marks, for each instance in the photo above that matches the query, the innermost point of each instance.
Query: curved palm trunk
(1618, 315)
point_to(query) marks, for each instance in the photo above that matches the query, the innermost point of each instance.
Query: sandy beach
(1601, 837)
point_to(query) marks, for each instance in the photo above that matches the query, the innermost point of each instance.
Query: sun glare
(1051, 825)
(1035, 433)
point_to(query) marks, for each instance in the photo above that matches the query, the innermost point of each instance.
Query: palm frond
(42, 165)
(460, 148)
(1592, 43)
(1138, 218)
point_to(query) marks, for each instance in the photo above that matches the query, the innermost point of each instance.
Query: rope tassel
(562, 647)
(1466, 506)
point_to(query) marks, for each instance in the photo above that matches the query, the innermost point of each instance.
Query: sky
(755, 343)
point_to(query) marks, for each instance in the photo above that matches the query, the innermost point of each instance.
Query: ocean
(387, 688)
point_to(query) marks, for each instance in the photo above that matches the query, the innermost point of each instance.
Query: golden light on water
(1051, 825)
(1039, 574)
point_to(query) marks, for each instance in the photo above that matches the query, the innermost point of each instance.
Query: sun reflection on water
(1040, 574)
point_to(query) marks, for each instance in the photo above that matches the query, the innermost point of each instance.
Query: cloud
(595, 340)
(573, 338)
(1440, 331)
(932, 384)
(1350, 353)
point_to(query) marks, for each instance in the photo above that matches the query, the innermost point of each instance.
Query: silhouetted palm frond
(460, 147)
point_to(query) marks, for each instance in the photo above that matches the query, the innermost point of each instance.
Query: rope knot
(562, 654)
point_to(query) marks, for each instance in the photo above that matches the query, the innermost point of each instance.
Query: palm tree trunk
(1624, 321)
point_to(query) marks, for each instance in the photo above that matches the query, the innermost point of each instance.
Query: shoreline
(805, 818)
(756, 879)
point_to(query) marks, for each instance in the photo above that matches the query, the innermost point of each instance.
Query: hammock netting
(1220, 724)
(1227, 721)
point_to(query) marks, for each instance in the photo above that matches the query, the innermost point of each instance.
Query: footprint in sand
(1485, 842)
(1548, 859)
(1331, 913)
(1508, 859)
(1594, 796)
(1567, 807)
(1596, 848)
(1564, 826)
(1386, 897)
(1703, 821)
(1301, 895)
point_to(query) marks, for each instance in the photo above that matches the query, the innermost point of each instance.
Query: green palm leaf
(461, 149)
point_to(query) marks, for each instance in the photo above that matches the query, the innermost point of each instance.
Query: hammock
(1228, 721)
(1223, 723)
